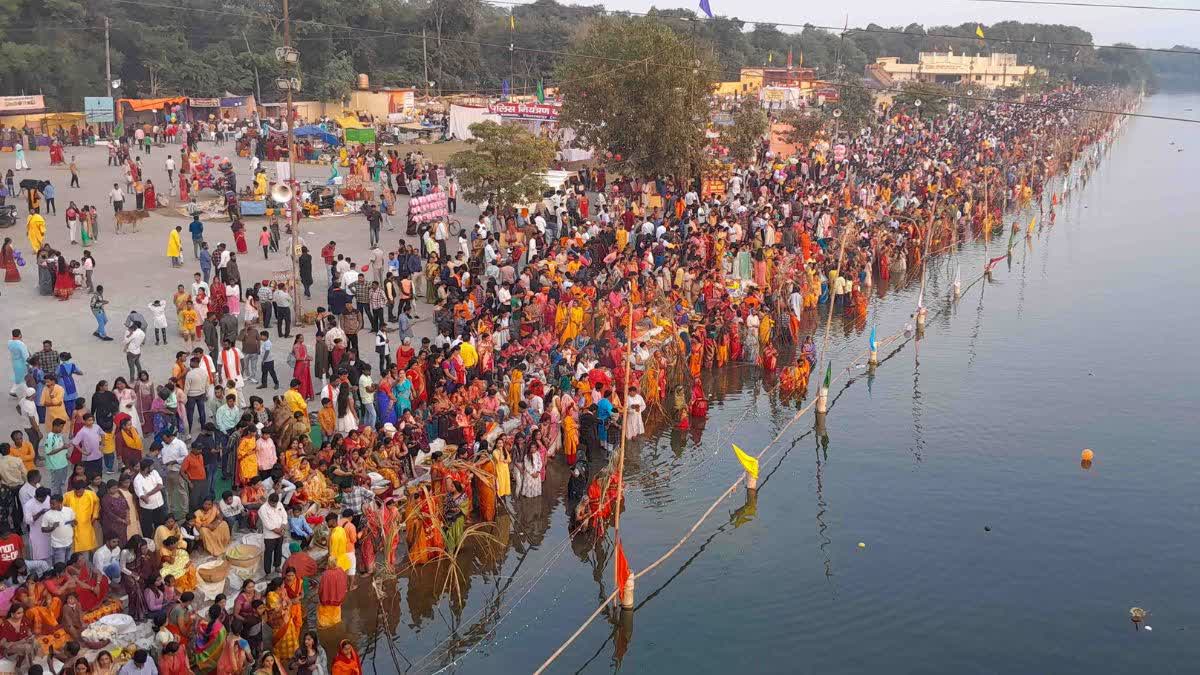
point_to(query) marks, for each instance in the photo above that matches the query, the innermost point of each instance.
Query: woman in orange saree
(293, 586)
(286, 629)
(485, 488)
(42, 609)
(570, 430)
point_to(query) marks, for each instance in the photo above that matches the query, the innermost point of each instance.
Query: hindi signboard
(19, 104)
(526, 111)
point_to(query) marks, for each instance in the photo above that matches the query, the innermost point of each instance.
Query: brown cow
(133, 218)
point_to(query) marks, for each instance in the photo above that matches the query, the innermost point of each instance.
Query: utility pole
(108, 88)
(425, 56)
(512, 54)
(293, 210)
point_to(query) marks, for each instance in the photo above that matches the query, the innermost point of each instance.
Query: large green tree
(503, 165)
(637, 89)
(750, 123)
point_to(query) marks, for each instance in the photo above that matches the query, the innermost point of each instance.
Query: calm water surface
(1086, 341)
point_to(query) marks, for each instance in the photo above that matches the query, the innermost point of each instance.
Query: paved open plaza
(134, 268)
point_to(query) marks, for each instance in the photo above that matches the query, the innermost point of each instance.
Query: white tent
(462, 117)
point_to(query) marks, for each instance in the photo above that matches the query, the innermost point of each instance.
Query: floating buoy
(987, 528)
(861, 545)
(1087, 455)
(1148, 628)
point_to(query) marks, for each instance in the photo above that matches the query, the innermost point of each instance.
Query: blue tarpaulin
(313, 130)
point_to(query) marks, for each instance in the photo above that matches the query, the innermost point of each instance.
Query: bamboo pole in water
(626, 599)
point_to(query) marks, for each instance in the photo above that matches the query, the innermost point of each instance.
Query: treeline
(209, 47)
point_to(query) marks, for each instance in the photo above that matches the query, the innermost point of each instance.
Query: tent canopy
(142, 104)
(313, 130)
(350, 122)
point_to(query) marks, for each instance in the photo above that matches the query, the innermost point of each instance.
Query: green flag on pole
(541, 93)
(828, 374)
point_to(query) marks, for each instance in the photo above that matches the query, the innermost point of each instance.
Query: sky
(1145, 28)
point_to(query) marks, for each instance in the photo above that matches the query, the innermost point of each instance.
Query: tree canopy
(503, 165)
(633, 88)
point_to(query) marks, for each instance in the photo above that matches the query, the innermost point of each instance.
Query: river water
(1084, 341)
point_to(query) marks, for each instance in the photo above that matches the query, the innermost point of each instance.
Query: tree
(856, 103)
(335, 80)
(503, 165)
(631, 87)
(934, 99)
(749, 124)
(799, 126)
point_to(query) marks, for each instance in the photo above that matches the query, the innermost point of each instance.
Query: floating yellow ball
(861, 545)
(1086, 455)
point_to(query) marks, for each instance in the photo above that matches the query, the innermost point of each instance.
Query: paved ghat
(134, 269)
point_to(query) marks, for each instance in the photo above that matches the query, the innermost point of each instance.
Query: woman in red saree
(64, 279)
(78, 578)
(346, 662)
(56, 153)
(217, 298)
(150, 196)
(699, 406)
(302, 370)
(416, 375)
(239, 236)
(8, 261)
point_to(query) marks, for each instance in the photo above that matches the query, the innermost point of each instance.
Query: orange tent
(142, 104)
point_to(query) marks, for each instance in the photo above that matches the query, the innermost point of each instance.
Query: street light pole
(293, 214)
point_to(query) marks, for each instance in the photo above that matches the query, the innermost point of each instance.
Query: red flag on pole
(622, 569)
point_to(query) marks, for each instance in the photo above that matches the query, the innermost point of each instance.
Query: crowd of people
(558, 337)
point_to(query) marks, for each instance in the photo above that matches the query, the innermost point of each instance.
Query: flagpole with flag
(750, 464)
(706, 8)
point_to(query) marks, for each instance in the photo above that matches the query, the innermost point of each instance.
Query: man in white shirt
(366, 393)
(233, 511)
(441, 232)
(132, 345)
(230, 362)
(59, 523)
(117, 198)
(152, 505)
(198, 284)
(174, 451)
(196, 383)
(274, 519)
(107, 559)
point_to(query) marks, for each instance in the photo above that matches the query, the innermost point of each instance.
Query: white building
(989, 71)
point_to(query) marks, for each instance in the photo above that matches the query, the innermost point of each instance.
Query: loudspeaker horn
(281, 193)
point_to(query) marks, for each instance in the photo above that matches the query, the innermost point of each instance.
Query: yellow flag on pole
(750, 464)
(979, 31)
(512, 22)
(1032, 220)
